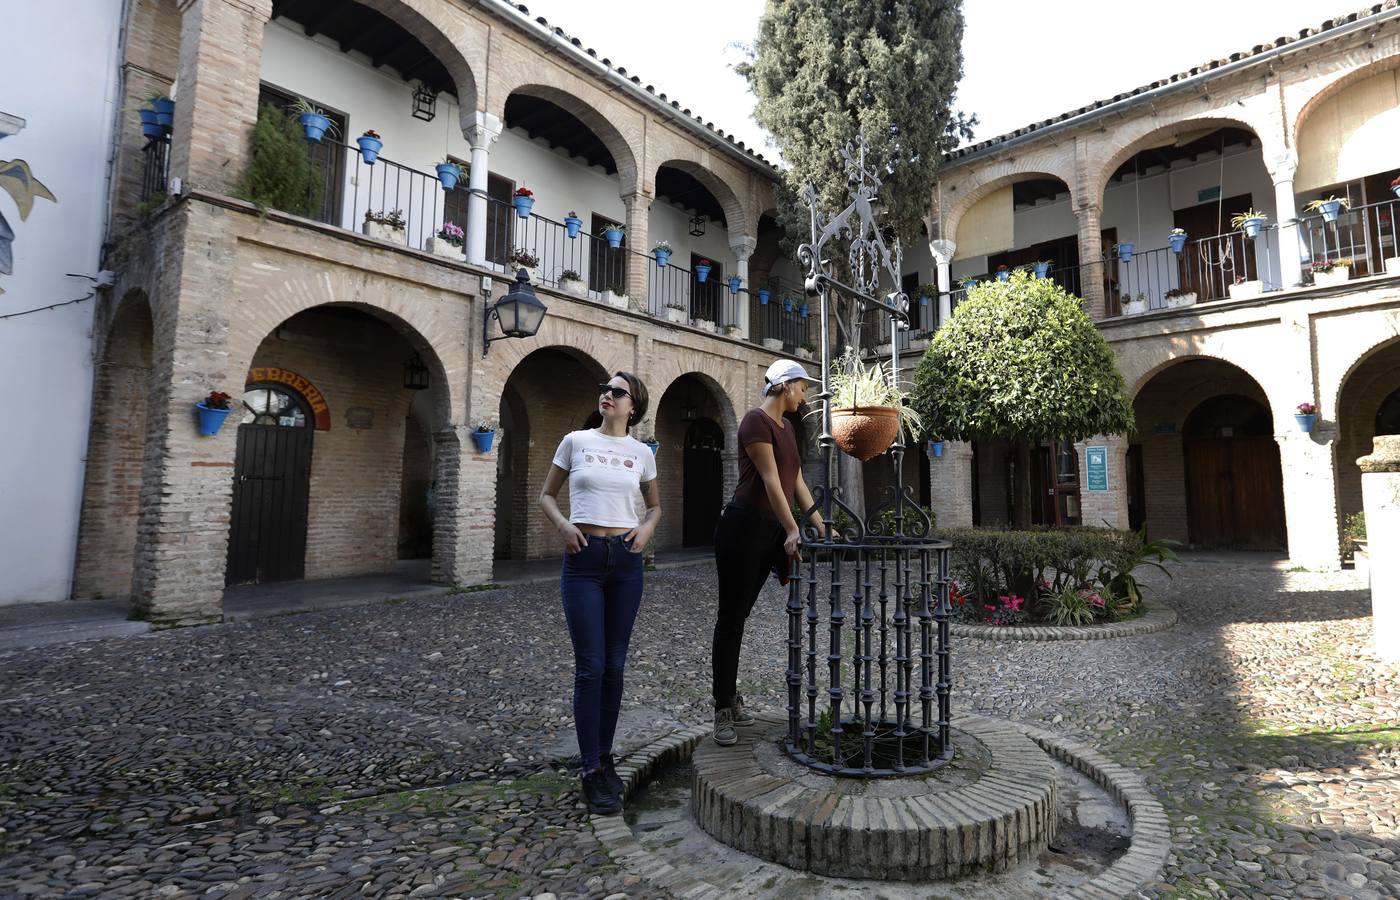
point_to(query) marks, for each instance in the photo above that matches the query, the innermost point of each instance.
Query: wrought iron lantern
(697, 226)
(424, 102)
(519, 312)
(415, 374)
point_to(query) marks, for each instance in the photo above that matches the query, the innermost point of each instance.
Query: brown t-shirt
(758, 428)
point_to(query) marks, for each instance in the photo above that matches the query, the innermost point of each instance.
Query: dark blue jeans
(602, 589)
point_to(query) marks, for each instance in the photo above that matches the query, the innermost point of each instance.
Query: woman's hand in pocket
(638, 538)
(574, 539)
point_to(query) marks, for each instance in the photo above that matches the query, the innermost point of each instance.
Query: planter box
(1246, 289)
(676, 316)
(439, 247)
(617, 301)
(733, 331)
(772, 344)
(1183, 300)
(705, 325)
(1392, 265)
(1338, 275)
(573, 287)
(804, 353)
(385, 232)
(1134, 307)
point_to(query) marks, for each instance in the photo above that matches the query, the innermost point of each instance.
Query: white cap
(781, 371)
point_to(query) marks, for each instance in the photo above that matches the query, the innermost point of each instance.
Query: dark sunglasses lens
(617, 392)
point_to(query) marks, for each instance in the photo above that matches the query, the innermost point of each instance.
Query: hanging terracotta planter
(864, 431)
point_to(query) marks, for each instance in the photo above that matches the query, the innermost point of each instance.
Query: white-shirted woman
(602, 576)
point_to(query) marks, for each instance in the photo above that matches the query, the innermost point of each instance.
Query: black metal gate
(271, 488)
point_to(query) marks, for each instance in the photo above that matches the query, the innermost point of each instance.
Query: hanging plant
(702, 270)
(1177, 239)
(313, 120)
(213, 410)
(370, 145)
(524, 201)
(867, 407)
(449, 172)
(1330, 207)
(662, 252)
(572, 224)
(614, 235)
(1250, 222)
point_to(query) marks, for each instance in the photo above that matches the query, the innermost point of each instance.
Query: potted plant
(520, 258)
(212, 411)
(969, 283)
(386, 226)
(572, 224)
(524, 200)
(617, 299)
(1134, 306)
(570, 282)
(652, 443)
(706, 325)
(150, 128)
(313, 119)
(370, 145)
(804, 310)
(935, 447)
(675, 311)
(1041, 268)
(448, 241)
(1177, 297)
(662, 252)
(1306, 417)
(1250, 222)
(614, 234)
(733, 331)
(449, 172)
(867, 407)
(1328, 272)
(702, 270)
(1330, 207)
(1244, 289)
(1003, 273)
(1125, 251)
(735, 282)
(808, 350)
(774, 344)
(926, 294)
(1176, 239)
(485, 436)
(763, 295)
(164, 108)
(787, 304)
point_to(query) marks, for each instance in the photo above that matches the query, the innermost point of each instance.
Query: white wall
(58, 69)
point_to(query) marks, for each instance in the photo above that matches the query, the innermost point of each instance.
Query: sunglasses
(617, 392)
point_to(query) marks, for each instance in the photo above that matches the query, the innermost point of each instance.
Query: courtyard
(421, 746)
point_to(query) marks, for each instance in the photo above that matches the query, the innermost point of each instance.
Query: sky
(1023, 61)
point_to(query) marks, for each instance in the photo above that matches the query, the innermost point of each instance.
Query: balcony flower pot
(1338, 275)
(935, 449)
(149, 126)
(484, 440)
(1392, 265)
(448, 174)
(1330, 210)
(804, 352)
(676, 315)
(574, 287)
(1186, 299)
(662, 256)
(706, 325)
(1246, 289)
(442, 247)
(1305, 421)
(314, 125)
(1134, 307)
(764, 295)
(864, 431)
(1251, 226)
(804, 311)
(210, 420)
(523, 204)
(572, 224)
(1125, 252)
(164, 109)
(772, 344)
(653, 446)
(617, 301)
(787, 304)
(1003, 274)
(1041, 269)
(735, 282)
(369, 148)
(614, 236)
(702, 271)
(1176, 242)
(733, 331)
(969, 283)
(393, 233)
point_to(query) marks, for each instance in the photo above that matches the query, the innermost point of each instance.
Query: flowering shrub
(1007, 610)
(1307, 409)
(452, 233)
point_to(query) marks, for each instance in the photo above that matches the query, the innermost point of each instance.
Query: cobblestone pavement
(418, 747)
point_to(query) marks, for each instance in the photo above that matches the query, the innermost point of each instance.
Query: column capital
(483, 130)
(743, 245)
(1282, 165)
(943, 250)
(632, 198)
(1083, 210)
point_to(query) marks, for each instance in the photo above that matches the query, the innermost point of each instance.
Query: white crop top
(605, 477)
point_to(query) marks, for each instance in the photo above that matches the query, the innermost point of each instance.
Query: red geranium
(524, 192)
(217, 400)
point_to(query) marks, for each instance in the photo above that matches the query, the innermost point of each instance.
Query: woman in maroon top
(757, 530)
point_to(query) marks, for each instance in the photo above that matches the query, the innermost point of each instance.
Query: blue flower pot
(1176, 242)
(763, 298)
(1251, 226)
(1305, 423)
(614, 237)
(1125, 252)
(1004, 275)
(735, 282)
(314, 125)
(369, 148)
(787, 304)
(935, 448)
(523, 205)
(572, 224)
(149, 126)
(662, 256)
(165, 112)
(210, 420)
(484, 440)
(1330, 210)
(448, 174)
(803, 311)
(923, 300)
(1042, 269)
(701, 273)
(969, 283)
(653, 446)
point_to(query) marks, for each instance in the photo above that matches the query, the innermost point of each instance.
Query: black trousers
(748, 543)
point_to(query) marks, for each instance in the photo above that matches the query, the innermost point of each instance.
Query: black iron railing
(1365, 235)
(784, 315)
(155, 170)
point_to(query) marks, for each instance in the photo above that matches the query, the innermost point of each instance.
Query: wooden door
(1234, 493)
(271, 490)
(1215, 254)
(703, 476)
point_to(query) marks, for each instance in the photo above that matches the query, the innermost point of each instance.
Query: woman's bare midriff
(600, 530)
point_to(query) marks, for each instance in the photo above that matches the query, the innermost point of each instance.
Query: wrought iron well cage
(884, 577)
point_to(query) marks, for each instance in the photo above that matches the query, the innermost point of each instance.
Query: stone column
(218, 77)
(943, 252)
(483, 131)
(464, 518)
(1380, 496)
(950, 485)
(743, 247)
(1108, 507)
(638, 204)
(1290, 250)
(1310, 498)
(1091, 259)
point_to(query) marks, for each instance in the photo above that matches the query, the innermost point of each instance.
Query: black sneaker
(739, 715)
(598, 795)
(614, 780)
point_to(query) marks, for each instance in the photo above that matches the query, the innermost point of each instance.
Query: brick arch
(596, 344)
(432, 329)
(1332, 403)
(986, 181)
(728, 393)
(454, 38)
(738, 221)
(1327, 89)
(591, 115)
(1123, 142)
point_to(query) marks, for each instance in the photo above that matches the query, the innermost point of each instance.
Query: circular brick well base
(991, 808)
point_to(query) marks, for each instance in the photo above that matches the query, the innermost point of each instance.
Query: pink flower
(1096, 600)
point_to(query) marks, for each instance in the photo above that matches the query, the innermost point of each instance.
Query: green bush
(280, 172)
(1069, 606)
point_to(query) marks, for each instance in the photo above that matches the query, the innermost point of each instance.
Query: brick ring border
(1141, 865)
(1158, 618)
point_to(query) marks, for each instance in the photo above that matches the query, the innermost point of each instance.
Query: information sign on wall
(1096, 460)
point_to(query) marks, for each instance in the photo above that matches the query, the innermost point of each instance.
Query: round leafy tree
(1020, 361)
